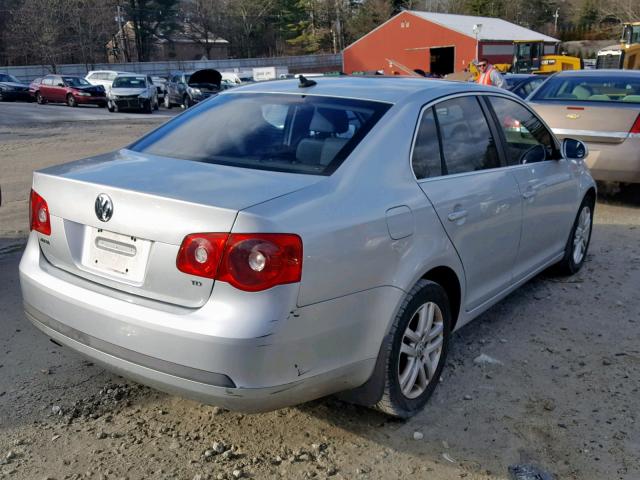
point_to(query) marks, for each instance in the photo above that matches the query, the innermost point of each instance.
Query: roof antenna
(305, 82)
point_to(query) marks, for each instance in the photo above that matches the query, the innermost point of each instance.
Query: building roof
(492, 28)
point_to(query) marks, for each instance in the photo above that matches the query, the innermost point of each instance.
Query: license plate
(123, 257)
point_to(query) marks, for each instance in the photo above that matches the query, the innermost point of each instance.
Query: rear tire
(71, 101)
(577, 246)
(415, 350)
(186, 102)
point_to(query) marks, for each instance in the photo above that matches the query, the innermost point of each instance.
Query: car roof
(376, 88)
(589, 73)
(105, 71)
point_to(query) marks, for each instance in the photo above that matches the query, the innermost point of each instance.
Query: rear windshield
(590, 89)
(289, 133)
(129, 82)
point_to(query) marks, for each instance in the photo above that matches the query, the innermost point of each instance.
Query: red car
(73, 91)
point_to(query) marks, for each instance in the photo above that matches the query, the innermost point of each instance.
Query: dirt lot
(565, 396)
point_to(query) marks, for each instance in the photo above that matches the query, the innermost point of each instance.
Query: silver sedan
(289, 240)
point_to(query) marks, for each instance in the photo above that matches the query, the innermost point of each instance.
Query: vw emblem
(104, 207)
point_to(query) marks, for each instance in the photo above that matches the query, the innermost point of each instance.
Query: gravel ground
(564, 396)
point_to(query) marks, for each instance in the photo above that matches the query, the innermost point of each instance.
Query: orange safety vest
(485, 78)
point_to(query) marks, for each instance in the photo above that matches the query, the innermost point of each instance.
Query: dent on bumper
(184, 381)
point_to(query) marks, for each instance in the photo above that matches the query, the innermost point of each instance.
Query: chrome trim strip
(590, 133)
(188, 373)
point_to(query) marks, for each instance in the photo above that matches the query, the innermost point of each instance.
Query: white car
(103, 77)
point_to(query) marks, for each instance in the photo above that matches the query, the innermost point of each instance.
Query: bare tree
(250, 14)
(205, 21)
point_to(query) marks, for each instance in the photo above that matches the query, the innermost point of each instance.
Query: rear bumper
(249, 357)
(615, 162)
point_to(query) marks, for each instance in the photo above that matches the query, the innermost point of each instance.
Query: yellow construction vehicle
(627, 54)
(530, 57)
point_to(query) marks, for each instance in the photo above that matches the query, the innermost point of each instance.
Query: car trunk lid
(585, 122)
(156, 202)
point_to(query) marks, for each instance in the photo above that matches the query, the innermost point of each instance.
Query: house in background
(438, 43)
(181, 45)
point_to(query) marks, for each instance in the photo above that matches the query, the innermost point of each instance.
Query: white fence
(302, 63)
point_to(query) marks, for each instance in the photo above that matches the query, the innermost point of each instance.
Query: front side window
(524, 133)
(426, 159)
(467, 142)
(289, 133)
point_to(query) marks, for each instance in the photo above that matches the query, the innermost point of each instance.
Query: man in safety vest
(489, 75)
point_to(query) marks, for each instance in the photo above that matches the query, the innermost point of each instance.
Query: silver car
(288, 240)
(133, 92)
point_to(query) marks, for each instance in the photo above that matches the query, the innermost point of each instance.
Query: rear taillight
(39, 214)
(250, 262)
(200, 254)
(635, 129)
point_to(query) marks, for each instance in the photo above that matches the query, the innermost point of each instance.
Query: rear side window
(523, 131)
(289, 133)
(47, 81)
(426, 159)
(592, 88)
(467, 142)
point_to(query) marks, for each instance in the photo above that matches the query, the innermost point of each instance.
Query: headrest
(329, 120)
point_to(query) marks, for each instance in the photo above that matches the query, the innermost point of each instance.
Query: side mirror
(574, 149)
(61, 84)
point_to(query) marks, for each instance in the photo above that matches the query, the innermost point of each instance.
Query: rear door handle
(457, 215)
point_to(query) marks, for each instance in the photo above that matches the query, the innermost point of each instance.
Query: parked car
(161, 86)
(187, 89)
(103, 77)
(13, 89)
(279, 242)
(34, 86)
(133, 92)
(601, 108)
(73, 91)
(522, 84)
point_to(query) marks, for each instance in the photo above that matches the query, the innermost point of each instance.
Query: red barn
(439, 43)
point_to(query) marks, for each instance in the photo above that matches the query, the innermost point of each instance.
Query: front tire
(577, 246)
(40, 99)
(167, 101)
(147, 107)
(415, 350)
(112, 107)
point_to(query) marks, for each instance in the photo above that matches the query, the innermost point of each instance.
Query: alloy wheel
(420, 350)
(581, 235)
